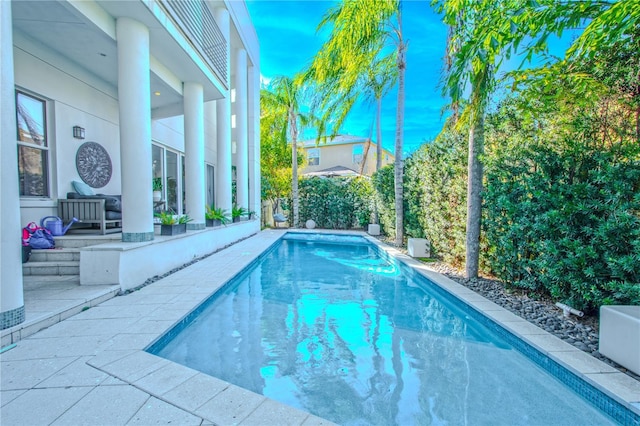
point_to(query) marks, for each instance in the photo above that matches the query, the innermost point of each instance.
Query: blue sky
(288, 42)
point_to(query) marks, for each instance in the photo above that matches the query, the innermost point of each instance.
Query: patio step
(79, 241)
(55, 255)
(64, 260)
(51, 268)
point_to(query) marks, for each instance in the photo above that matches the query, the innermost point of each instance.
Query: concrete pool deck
(91, 367)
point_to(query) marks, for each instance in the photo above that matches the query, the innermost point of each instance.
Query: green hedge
(566, 223)
(336, 203)
(434, 196)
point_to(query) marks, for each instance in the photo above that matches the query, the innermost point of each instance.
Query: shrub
(566, 222)
(434, 196)
(384, 197)
(336, 203)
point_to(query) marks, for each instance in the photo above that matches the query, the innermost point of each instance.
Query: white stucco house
(114, 94)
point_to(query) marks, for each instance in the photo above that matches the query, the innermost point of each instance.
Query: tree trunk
(399, 163)
(294, 168)
(474, 198)
(378, 135)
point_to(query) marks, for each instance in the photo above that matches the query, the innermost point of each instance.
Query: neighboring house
(343, 155)
(162, 89)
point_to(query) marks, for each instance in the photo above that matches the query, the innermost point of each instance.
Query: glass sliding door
(209, 184)
(171, 181)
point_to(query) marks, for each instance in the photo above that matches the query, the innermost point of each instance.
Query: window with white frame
(357, 153)
(313, 156)
(33, 145)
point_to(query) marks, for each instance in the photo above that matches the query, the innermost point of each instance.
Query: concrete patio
(91, 367)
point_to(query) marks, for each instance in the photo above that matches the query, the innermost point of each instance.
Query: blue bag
(38, 238)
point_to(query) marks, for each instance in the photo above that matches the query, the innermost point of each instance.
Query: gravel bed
(579, 332)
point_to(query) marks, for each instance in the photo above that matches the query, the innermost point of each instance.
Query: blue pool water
(338, 329)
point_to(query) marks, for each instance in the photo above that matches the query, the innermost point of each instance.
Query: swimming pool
(337, 329)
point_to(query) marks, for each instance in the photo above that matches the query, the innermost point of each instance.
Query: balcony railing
(196, 21)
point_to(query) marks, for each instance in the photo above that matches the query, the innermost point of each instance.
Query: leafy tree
(380, 78)
(284, 97)
(354, 51)
(472, 56)
(275, 156)
(484, 33)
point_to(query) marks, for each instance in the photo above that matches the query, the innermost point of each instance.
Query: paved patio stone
(29, 373)
(78, 373)
(117, 309)
(113, 381)
(41, 406)
(274, 413)
(107, 357)
(87, 327)
(618, 383)
(583, 362)
(36, 348)
(486, 305)
(133, 367)
(503, 316)
(316, 421)
(9, 395)
(550, 343)
(165, 378)
(524, 328)
(156, 412)
(155, 326)
(105, 405)
(231, 406)
(196, 391)
(126, 341)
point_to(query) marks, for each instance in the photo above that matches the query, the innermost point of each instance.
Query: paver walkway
(91, 368)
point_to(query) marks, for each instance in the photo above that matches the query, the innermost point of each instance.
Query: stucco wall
(342, 155)
(74, 98)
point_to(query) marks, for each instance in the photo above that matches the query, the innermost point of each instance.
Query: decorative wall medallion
(93, 164)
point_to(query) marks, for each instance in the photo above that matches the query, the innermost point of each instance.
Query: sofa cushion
(111, 215)
(82, 188)
(112, 202)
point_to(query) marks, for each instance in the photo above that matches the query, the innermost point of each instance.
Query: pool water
(338, 329)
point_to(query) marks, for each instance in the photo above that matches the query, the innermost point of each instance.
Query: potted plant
(237, 213)
(171, 224)
(216, 216)
(157, 189)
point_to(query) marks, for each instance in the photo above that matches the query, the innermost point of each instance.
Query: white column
(194, 153)
(11, 292)
(223, 126)
(242, 158)
(254, 139)
(135, 130)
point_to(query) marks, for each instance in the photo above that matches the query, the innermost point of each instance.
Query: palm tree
(285, 96)
(380, 78)
(469, 59)
(361, 30)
